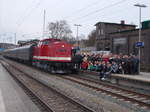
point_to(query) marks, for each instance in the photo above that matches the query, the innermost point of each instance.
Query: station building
(103, 30)
(122, 38)
(125, 42)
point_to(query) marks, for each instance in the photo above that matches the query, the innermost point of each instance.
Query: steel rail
(82, 106)
(126, 98)
(32, 93)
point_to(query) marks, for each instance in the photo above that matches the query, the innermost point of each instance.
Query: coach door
(44, 48)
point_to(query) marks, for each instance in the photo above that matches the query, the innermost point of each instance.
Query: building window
(99, 32)
(102, 32)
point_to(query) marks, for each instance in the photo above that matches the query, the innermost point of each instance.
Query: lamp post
(139, 53)
(77, 25)
(44, 23)
(15, 38)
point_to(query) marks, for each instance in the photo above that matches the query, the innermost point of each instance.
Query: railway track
(47, 98)
(135, 98)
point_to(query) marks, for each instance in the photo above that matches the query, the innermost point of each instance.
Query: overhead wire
(28, 14)
(102, 15)
(25, 11)
(84, 8)
(99, 10)
(122, 10)
(96, 11)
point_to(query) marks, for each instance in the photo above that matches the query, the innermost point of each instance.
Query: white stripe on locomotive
(52, 58)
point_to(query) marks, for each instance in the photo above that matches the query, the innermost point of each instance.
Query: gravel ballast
(81, 94)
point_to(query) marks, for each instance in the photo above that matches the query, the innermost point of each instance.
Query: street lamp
(77, 25)
(140, 6)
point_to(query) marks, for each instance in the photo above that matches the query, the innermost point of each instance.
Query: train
(53, 55)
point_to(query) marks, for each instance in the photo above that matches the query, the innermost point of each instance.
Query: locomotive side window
(40, 43)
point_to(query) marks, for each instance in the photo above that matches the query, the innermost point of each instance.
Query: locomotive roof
(51, 39)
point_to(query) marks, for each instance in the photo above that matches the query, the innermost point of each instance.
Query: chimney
(122, 22)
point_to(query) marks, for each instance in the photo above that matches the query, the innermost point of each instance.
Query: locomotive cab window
(45, 42)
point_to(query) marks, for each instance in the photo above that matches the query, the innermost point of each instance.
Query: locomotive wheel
(51, 69)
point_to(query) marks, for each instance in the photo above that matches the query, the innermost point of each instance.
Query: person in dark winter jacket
(103, 70)
(124, 63)
(106, 71)
(78, 60)
(120, 69)
(114, 67)
(135, 64)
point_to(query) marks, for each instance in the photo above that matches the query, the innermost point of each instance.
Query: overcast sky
(25, 17)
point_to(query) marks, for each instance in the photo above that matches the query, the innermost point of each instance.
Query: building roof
(114, 24)
(146, 21)
(125, 31)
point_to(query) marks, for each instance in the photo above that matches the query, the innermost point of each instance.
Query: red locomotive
(54, 55)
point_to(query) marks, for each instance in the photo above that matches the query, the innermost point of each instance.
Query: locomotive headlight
(62, 46)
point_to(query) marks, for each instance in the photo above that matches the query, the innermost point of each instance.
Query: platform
(12, 97)
(143, 77)
(141, 81)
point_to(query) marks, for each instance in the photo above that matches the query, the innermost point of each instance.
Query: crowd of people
(107, 64)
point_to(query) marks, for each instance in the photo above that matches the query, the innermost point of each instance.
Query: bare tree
(59, 29)
(91, 38)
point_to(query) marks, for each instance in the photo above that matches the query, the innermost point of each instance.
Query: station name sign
(139, 44)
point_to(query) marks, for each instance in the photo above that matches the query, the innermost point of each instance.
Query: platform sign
(139, 44)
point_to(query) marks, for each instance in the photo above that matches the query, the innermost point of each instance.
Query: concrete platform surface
(12, 97)
(143, 77)
(141, 81)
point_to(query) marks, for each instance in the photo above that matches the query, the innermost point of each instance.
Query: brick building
(121, 38)
(124, 42)
(103, 41)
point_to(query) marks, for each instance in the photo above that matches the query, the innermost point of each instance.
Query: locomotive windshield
(45, 42)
